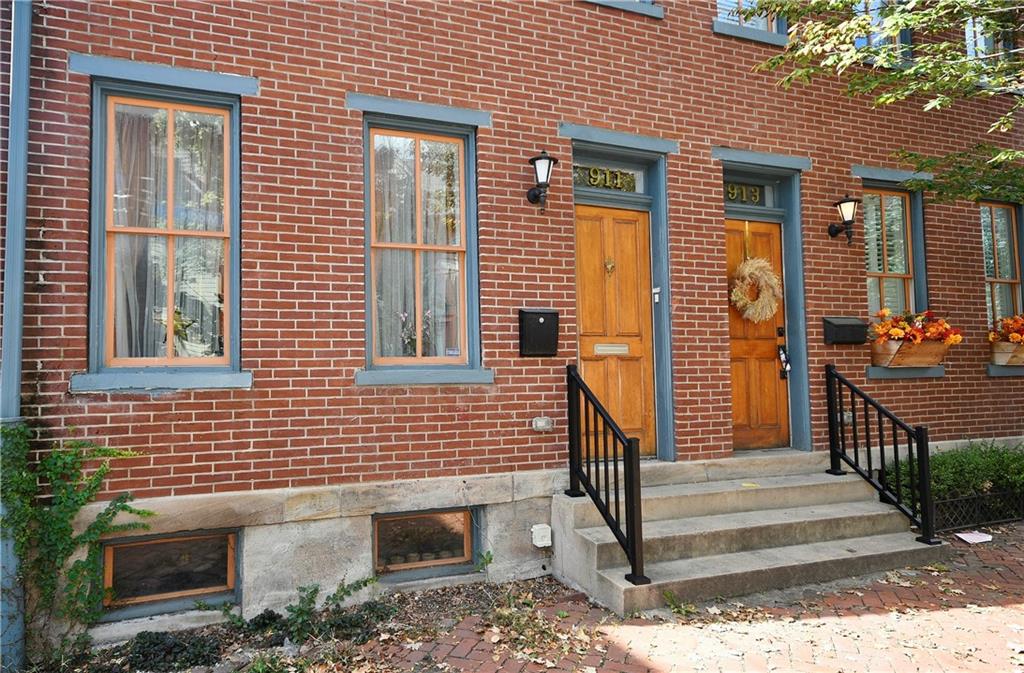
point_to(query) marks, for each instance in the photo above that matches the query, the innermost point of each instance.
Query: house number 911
(741, 193)
(604, 178)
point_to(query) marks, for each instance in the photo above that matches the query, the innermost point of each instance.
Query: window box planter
(1006, 353)
(908, 354)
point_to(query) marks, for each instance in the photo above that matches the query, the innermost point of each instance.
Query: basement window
(163, 569)
(409, 541)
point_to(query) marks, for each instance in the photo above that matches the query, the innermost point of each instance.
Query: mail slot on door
(538, 332)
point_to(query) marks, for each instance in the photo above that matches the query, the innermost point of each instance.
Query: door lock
(785, 366)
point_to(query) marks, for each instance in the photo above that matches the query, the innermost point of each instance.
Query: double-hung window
(1002, 260)
(887, 239)
(731, 11)
(418, 248)
(165, 251)
(878, 37)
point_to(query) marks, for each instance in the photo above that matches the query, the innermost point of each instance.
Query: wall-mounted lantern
(847, 207)
(542, 167)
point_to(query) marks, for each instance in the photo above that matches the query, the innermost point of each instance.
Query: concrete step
(676, 501)
(747, 572)
(671, 539)
(741, 465)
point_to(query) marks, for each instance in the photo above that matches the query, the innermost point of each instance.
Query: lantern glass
(847, 209)
(542, 166)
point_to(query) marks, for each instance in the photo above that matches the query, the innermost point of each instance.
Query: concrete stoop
(733, 527)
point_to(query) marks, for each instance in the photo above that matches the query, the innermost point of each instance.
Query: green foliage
(42, 501)
(676, 606)
(269, 663)
(973, 470)
(483, 560)
(826, 39)
(162, 652)
(300, 621)
(304, 620)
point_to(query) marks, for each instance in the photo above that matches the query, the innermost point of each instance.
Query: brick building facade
(681, 100)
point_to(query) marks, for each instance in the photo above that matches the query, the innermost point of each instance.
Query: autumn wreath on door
(756, 290)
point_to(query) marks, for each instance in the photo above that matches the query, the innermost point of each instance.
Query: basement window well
(160, 570)
(422, 540)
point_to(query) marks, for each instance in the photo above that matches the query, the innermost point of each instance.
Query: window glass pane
(988, 303)
(1002, 300)
(895, 294)
(427, 539)
(198, 171)
(395, 294)
(986, 242)
(873, 233)
(874, 296)
(140, 296)
(140, 166)
(439, 162)
(198, 297)
(394, 189)
(441, 311)
(1004, 243)
(896, 235)
(164, 567)
(728, 10)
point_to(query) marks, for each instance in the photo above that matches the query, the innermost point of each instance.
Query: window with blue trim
(164, 266)
(985, 44)
(731, 11)
(879, 37)
(887, 242)
(422, 312)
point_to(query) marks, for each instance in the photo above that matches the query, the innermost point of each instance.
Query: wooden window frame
(467, 544)
(992, 281)
(170, 234)
(908, 287)
(418, 248)
(108, 571)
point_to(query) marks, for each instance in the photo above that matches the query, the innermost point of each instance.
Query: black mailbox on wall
(845, 330)
(538, 332)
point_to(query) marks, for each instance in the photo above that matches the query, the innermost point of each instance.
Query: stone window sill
(747, 33)
(178, 378)
(633, 6)
(423, 377)
(936, 372)
(1005, 370)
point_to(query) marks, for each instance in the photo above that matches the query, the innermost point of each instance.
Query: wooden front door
(613, 298)
(760, 402)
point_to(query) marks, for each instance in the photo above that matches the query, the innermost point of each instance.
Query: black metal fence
(892, 456)
(982, 509)
(596, 444)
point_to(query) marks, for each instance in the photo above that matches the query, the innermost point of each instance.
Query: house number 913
(740, 193)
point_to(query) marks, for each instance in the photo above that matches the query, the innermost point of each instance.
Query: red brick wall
(304, 422)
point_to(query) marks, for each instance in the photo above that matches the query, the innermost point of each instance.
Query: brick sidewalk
(967, 615)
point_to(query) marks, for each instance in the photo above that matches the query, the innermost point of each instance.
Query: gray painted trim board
(617, 139)
(887, 174)
(760, 160)
(415, 110)
(747, 33)
(170, 378)
(906, 372)
(634, 7)
(1000, 371)
(162, 75)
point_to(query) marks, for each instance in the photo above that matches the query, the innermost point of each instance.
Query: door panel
(613, 290)
(760, 403)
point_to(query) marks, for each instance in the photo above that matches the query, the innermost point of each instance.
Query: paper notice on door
(611, 349)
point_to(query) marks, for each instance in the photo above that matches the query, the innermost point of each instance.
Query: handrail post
(835, 467)
(574, 489)
(924, 475)
(634, 516)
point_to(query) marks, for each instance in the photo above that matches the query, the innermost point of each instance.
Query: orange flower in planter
(915, 328)
(1008, 329)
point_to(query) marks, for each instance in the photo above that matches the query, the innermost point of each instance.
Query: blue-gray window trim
(416, 111)
(890, 179)
(100, 376)
(787, 171)
(643, 7)
(179, 604)
(778, 37)
(162, 75)
(1013, 370)
(647, 153)
(473, 371)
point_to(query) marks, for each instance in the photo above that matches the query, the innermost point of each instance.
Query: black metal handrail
(904, 480)
(595, 442)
